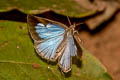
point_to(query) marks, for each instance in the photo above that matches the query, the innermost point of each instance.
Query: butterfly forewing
(47, 36)
(78, 45)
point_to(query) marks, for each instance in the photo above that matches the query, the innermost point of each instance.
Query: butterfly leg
(48, 65)
(78, 35)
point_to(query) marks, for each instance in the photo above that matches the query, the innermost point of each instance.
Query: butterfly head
(72, 28)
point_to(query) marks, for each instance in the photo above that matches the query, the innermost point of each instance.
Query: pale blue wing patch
(53, 36)
(70, 50)
(49, 30)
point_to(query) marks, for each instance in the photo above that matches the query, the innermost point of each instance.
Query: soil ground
(105, 45)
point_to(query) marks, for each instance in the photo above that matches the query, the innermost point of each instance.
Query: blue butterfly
(54, 41)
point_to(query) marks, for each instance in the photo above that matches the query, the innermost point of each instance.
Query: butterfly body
(54, 41)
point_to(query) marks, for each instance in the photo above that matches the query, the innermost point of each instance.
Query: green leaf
(18, 60)
(64, 7)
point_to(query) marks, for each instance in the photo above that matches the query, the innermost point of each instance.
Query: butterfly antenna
(69, 20)
(79, 23)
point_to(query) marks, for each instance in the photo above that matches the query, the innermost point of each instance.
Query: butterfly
(54, 41)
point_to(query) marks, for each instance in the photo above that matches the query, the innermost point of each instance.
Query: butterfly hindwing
(70, 50)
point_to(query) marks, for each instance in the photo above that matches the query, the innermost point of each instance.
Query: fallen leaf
(17, 64)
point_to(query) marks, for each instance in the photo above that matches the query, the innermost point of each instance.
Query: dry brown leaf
(110, 8)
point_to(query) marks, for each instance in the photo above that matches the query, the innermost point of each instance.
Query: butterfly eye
(40, 24)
